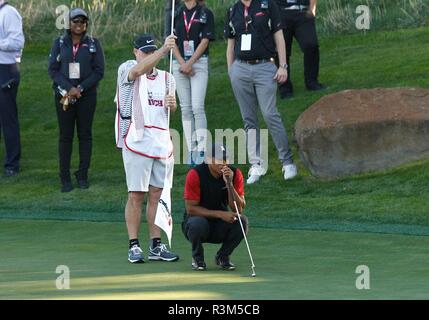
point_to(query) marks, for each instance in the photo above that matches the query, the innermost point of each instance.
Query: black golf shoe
(224, 263)
(198, 265)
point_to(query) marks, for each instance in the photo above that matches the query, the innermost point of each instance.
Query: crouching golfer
(142, 133)
(208, 194)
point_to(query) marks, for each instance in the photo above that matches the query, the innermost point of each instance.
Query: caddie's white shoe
(255, 173)
(289, 171)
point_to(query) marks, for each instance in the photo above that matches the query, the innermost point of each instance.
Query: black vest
(213, 192)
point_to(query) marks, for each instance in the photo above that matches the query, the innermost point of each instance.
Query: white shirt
(11, 35)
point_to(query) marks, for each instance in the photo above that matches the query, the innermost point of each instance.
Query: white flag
(163, 218)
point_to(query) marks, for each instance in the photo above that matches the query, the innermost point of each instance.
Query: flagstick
(170, 89)
(173, 4)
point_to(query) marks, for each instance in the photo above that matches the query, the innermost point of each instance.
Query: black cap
(219, 152)
(78, 12)
(145, 43)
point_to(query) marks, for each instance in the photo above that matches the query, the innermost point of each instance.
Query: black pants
(199, 230)
(300, 25)
(9, 115)
(79, 115)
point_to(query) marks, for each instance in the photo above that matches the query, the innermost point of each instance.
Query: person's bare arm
(146, 65)
(228, 176)
(200, 50)
(178, 55)
(281, 75)
(230, 53)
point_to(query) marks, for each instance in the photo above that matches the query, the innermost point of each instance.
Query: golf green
(289, 265)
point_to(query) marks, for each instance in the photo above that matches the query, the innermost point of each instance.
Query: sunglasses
(76, 21)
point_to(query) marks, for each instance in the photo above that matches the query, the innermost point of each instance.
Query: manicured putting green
(289, 265)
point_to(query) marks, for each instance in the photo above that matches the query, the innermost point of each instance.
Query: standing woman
(194, 28)
(76, 66)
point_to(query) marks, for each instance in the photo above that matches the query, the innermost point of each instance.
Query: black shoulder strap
(232, 10)
(4, 4)
(60, 43)
(60, 46)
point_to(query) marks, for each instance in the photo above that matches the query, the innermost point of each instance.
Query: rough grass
(396, 200)
(119, 20)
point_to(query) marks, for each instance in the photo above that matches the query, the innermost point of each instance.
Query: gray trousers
(254, 85)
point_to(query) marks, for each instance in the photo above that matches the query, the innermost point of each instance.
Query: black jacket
(91, 63)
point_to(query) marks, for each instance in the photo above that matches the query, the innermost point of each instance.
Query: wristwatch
(284, 66)
(80, 88)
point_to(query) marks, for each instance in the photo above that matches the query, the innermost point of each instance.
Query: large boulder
(358, 131)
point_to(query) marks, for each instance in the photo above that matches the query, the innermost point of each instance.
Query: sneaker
(255, 172)
(289, 171)
(198, 265)
(135, 254)
(200, 157)
(161, 253)
(224, 263)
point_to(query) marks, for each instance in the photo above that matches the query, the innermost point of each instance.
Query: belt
(296, 7)
(257, 61)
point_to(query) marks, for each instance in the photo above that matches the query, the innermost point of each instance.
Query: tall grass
(119, 20)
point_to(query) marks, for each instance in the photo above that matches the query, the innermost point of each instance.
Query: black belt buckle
(258, 61)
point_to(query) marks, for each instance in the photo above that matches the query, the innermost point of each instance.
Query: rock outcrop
(358, 131)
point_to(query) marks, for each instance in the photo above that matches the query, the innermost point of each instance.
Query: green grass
(395, 200)
(110, 19)
(296, 265)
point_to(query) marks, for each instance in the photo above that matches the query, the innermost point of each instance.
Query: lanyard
(246, 14)
(188, 25)
(75, 50)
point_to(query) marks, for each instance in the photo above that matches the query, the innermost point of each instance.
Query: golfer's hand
(170, 102)
(169, 43)
(227, 173)
(229, 216)
(281, 75)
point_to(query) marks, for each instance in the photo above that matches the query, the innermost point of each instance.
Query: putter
(244, 233)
